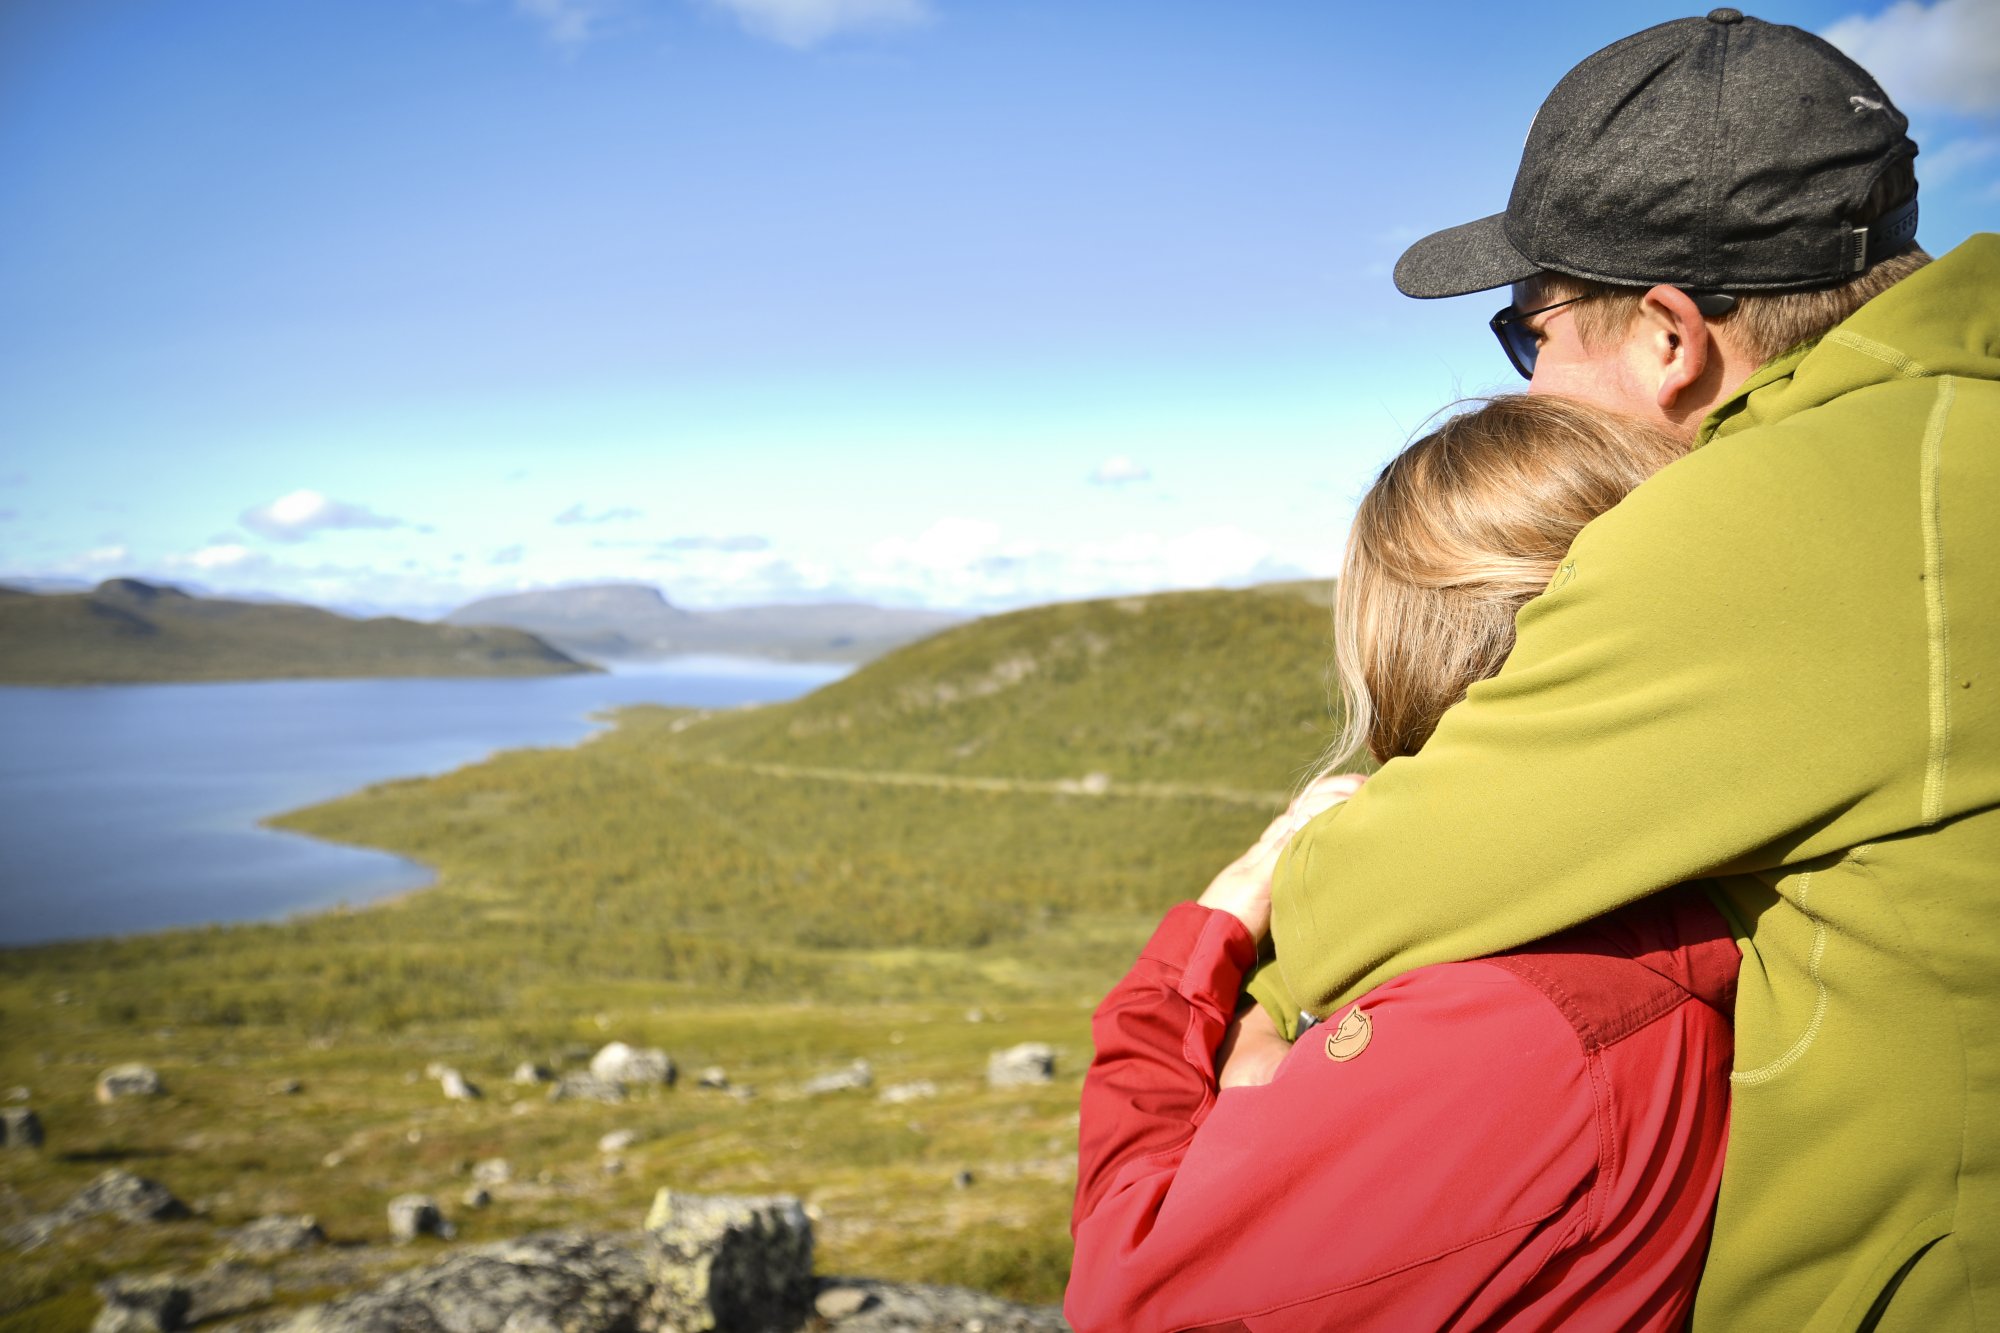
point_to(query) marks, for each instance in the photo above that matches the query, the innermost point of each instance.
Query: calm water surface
(131, 807)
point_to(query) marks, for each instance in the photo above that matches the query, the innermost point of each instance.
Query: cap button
(1725, 15)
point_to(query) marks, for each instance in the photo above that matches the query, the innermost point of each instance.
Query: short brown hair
(1461, 530)
(1764, 325)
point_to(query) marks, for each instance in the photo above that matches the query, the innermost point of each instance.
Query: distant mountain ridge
(128, 631)
(630, 621)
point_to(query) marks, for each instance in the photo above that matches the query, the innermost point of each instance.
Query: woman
(1532, 1140)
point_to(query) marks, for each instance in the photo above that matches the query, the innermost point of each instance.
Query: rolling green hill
(985, 824)
(127, 631)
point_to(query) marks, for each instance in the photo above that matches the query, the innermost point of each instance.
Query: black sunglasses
(1517, 340)
(1522, 346)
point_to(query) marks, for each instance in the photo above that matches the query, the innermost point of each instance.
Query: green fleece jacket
(1773, 666)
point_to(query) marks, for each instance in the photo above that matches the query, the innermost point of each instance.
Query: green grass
(654, 887)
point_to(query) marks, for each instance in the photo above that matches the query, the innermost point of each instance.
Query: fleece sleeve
(1717, 681)
(1314, 1200)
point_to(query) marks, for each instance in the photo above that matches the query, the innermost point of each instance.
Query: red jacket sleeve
(1429, 1174)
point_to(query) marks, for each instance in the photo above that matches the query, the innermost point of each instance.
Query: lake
(133, 807)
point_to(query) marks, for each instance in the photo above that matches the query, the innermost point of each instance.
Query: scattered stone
(855, 1076)
(529, 1073)
(975, 1015)
(18, 1094)
(715, 1076)
(492, 1171)
(332, 1159)
(286, 1087)
(586, 1088)
(477, 1197)
(726, 1263)
(155, 1304)
(413, 1136)
(963, 1180)
(133, 1080)
(117, 1194)
(224, 1289)
(414, 1215)
(619, 1063)
(896, 1094)
(618, 1140)
(268, 1237)
(895, 1307)
(614, 1166)
(20, 1127)
(568, 1281)
(836, 1303)
(436, 1070)
(457, 1088)
(1030, 1062)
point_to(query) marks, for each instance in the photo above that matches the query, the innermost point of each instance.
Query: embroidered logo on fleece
(1351, 1037)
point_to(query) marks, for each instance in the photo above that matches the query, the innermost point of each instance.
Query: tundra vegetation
(950, 852)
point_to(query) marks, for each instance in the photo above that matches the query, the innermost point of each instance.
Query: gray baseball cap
(1721, 153)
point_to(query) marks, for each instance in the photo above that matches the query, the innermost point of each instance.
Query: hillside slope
(127, 631)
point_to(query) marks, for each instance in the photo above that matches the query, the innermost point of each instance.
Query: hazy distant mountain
(633, 622)
(125, 630)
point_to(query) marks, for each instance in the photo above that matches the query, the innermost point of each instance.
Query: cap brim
(1473, 258)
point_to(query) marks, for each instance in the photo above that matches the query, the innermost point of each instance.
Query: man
(1772, 665)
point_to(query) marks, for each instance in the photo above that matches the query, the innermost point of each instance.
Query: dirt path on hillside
(1096, 784)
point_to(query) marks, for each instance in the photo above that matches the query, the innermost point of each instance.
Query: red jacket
(1527, 1141)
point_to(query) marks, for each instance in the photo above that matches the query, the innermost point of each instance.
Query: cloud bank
(1945, 55)
(1118, 470)
(295, 517)
(576, 514)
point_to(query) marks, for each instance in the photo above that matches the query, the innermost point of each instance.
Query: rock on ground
(1030, 1062)
(457, 1088)
(132, 1080)
(586, 1088)
(856, 1076)
(117, 1194)
(168, 1301)
(270, 1236)
(896, 1094)
(729, 1264)
(20, 1127)
(414, 1215)
(530, 1073)
(619, 1063)
(557, 1281)
(492, 1171)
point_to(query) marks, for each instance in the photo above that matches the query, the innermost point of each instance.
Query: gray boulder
(734, 1264)
(414, 1215)
(586, 1088)
(856, 1076)
(619, 1063)
(133, 1080)
(457, 1088)
(1030, 1062)
(161, 1302)
(555, 1282)
(20, 1127)
(862, 1305)
(528, 1073)
(269, 1237)
(114, 1194)
(492, 1171)
(898, 1094)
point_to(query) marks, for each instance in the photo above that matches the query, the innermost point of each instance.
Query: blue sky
(389, 304)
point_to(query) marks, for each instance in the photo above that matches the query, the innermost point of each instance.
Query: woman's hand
(1243, 889)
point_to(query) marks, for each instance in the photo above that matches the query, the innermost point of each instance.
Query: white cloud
(507, 555)
(1945, 54)
(220, 556)
(740, 542)
(576, 513)
(570, 24)
(1118, 470)
(804, 23)
(1953, 159)
(103, 555)
(295, 517)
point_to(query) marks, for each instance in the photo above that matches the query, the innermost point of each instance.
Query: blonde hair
(1460, 531)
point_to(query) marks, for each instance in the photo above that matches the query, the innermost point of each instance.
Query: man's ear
(1678, 347)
